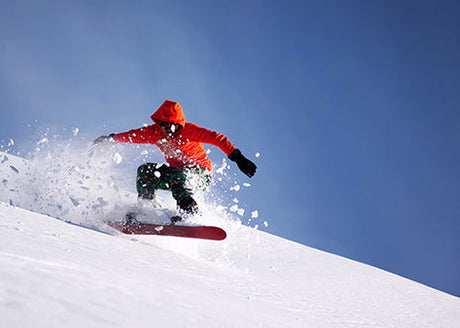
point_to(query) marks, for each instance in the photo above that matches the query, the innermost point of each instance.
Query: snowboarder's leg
(183, 182)
(151, 177)
(182, 191)
(146, 181)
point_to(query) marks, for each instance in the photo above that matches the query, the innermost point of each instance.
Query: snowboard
(200, 232)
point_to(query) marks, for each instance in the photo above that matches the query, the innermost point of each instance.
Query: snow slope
(54, 273)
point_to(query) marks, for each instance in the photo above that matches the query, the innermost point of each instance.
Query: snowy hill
(54, 273)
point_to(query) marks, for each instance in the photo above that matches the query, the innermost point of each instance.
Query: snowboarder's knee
(146, 168)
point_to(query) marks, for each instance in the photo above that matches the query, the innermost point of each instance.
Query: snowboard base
(200, 232)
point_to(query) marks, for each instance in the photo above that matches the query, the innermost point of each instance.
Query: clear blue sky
(354, 106)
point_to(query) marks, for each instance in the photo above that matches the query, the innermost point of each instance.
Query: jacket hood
(170, 111)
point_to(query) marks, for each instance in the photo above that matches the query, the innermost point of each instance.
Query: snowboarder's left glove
(244, 164)
(101, 139)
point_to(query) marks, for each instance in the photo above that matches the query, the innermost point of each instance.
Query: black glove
(102, 139)
(244, 164)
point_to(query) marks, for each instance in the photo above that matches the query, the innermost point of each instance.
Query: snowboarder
(182, 145)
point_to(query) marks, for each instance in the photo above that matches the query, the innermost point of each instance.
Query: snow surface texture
(54, 273)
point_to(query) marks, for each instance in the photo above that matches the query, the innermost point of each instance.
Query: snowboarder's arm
(211, 137)
(142, 135)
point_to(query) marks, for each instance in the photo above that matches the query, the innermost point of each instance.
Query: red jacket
(185, 147)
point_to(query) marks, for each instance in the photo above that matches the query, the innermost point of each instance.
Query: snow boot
(175, 219)
(188, 205)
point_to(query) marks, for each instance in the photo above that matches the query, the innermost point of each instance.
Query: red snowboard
(200, 232)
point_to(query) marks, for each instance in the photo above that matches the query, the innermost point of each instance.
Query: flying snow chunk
(236, 187)
(75, 131)
(257, 155)
(117, 158)
(246, 184)
(255, 214)
(240, 211)
(42, 141)
(222, 168)
(157, 174)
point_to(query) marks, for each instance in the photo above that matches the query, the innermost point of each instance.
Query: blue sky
(354, 106)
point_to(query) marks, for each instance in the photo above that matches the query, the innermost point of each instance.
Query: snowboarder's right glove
(102, 139)
(244, 164)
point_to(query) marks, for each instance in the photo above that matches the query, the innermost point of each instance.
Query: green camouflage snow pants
(182, 181)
